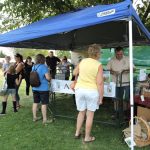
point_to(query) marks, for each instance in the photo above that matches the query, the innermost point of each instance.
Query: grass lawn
(19, 132)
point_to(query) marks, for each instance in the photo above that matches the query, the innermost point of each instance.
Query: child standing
(12, 81)
(6, 64)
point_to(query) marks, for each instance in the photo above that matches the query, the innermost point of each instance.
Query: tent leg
(131, 79)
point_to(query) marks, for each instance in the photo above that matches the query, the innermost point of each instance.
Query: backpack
(34, 78)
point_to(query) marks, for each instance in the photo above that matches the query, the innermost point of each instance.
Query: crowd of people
(15, 72)
(88, 85)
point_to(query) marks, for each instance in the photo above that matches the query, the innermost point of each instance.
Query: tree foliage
(144, 12)
(30, 52)
(22, 12)
(2, 55)
(60, 54)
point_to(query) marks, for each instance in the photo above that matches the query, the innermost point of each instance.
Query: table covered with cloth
(145, 103)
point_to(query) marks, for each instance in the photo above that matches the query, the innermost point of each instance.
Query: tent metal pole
(131, 79)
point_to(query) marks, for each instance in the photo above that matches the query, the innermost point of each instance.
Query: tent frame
(131, 80)
(5, 39)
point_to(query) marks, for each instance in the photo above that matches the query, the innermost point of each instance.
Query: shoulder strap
(37, 67)
(5, 76)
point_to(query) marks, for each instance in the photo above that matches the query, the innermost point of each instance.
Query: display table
(145, 103)
(139, 103)
(63, 87)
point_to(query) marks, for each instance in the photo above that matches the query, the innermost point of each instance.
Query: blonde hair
(11, 69)
(93, 50)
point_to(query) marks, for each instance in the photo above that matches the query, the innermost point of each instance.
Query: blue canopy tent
(109, 25)
(103, 24)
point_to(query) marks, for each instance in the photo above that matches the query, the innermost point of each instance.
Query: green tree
(30, 52)
(60, 54)
(144, 12)
(2, 55)
(17, 13)
(22, 12)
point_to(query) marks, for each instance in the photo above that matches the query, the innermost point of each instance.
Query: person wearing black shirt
(28, 67)
(12, 80)
(52, 61)
(19, 67)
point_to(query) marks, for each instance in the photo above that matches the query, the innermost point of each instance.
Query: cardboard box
(143, 112)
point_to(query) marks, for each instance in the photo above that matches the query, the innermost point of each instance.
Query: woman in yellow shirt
(88, 90)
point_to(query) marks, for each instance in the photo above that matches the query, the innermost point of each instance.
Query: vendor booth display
(142, 91)
(64, 86)
(108, 25)
(142, 109)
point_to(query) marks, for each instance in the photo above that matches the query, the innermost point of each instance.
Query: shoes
(19, 106)
(15, 110)
(77, 136)
(2, 114)
(47, 122)
(91, 139)
(37, 119)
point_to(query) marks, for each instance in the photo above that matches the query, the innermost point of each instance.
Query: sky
(135, 2)
(7, 51)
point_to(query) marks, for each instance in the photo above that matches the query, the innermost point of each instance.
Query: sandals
(47, 122)
(91, 139)
(37, 119)
(77, 136)
(19, 106)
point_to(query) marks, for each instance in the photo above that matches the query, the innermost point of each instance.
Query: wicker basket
(145, 127)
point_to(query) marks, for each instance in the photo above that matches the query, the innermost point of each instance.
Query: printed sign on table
(63, 86)
(109, 89)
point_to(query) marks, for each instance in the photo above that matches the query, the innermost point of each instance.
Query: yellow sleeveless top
(88, 69)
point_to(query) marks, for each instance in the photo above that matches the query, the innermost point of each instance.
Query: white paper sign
(128, 141)
(63, 86)
(142, 75)
(109, 89)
